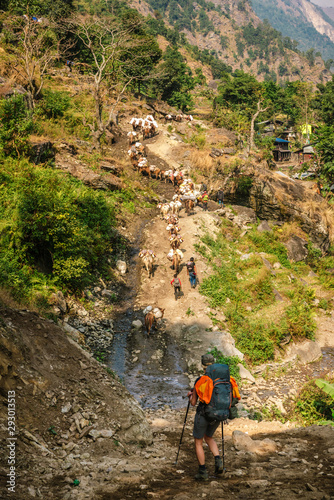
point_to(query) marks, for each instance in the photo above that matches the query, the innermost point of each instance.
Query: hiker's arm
(192, 395)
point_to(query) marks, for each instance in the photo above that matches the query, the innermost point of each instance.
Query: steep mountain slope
(231, 32)
(302, 20)
(329, 11)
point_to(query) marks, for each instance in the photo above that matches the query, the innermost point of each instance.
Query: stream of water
(151, 368)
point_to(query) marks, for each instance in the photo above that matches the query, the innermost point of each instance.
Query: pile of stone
(98, 334)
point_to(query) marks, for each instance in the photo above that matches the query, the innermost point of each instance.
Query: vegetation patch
(244, 290)
(313, 405)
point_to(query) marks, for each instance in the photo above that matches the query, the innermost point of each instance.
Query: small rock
(246, 256)
(277, 265)
(258, 483)
(245, 374)
(121, 267)
(66, 408)
(278, 296)
(264, 226)
(137, 324)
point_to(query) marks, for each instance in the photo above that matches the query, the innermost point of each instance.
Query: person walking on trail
(176, 283)
(220, 197)
(203, 429)
(204, 200)
(192, 272)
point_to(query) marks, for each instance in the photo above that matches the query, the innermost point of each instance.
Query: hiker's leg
(212, 445)
(199, 451)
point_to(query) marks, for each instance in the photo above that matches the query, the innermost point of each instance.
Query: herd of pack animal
(185, 195)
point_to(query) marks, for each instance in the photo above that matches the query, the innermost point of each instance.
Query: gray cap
(207, 359)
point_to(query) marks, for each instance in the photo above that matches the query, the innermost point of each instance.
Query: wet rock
(41, 151)
(137, 324)
(264, 226)
(296, 247)
(307, 351)
(121, 267)
(245, 374)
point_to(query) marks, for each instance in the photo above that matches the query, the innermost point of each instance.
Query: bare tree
(254, 117)
(35, 46)
(114, 52)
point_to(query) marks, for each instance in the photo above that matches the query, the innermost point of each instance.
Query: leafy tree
(175, 80)
(120, 53)
(241, 92)
(324, 101)
(310, 56)
(51, 9)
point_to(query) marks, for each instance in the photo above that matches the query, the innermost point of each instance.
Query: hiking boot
(219, 468)
(202, 475)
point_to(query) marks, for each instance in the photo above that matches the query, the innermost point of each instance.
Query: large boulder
(275, 196)
(70, 164)
(296, 247)
(306, 352)
(243, 442)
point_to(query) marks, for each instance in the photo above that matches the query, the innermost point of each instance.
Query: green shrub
(16, 125)
(299, 316)
(54, 103)
(268, 242)
(312, 405)
(256, 340)
(231, 361)
(53, 225)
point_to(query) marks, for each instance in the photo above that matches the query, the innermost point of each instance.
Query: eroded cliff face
(275, 196)
(314, 16)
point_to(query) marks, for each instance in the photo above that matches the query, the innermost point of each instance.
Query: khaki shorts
(202, 427)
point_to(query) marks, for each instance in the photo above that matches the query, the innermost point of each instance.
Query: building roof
(281, 140)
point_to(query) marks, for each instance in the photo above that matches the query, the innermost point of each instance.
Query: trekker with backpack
(192, 272)
(176, 282)
(220, 197)
(217, 392)
(204, 200)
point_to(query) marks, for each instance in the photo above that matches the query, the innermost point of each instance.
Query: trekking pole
(223, 448)
(185, 419)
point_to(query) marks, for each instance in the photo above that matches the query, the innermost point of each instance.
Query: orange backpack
(204, 388)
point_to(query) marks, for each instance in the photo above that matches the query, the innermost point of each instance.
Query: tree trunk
(252, 130)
